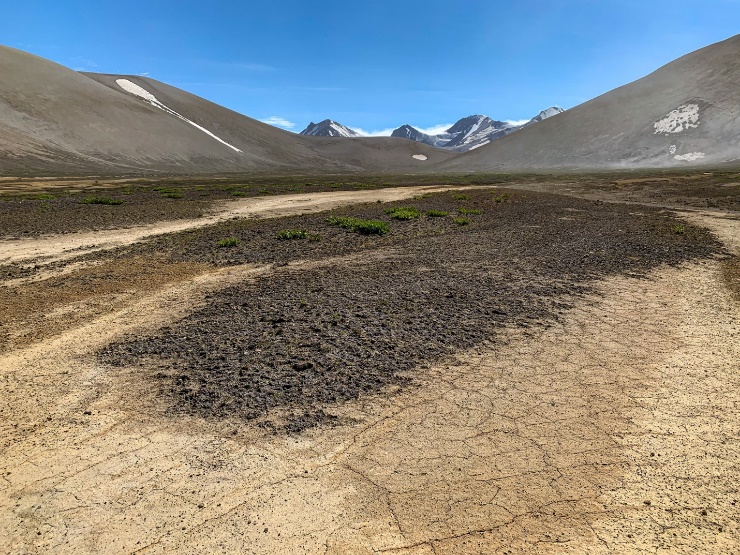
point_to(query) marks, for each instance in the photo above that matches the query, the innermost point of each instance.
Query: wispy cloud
(277, 121)
(376, 133)
(433, 130)
(80, 63)
(517, 121)
(143, 74)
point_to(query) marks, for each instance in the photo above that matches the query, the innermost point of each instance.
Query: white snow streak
(480, 145)
(136, 90)
(419, 157)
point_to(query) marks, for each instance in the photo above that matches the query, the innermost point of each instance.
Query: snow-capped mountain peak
(470, 124)
(472, 131)
(548, 113)
(409, 132)
(329, 128)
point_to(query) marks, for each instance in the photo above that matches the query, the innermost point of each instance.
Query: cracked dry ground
(611, 429)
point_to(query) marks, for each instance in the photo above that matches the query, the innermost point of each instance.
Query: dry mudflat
(529, 373)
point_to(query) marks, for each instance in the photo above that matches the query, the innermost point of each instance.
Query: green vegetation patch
(437, 213)
(169, 192)
(364, 227)
(501, 198)
(460, 196)
(403, 213)
(227, 243)
(461, 220)
(288, 234)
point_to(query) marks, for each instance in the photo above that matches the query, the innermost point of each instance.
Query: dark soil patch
(301, 340)
(59, 209)
(711, 190)
(505, 214)
(33, 215)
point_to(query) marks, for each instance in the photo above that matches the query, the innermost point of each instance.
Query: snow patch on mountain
(690, 157)
(329, 128)
(548, 113)
(144, 94)
(682, 118)
(479, 145)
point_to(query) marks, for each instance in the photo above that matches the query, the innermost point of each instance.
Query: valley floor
(557, 375)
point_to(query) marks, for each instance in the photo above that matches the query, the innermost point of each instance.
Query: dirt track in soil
(614, 430)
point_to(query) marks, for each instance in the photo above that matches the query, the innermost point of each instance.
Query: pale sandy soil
(615, 431)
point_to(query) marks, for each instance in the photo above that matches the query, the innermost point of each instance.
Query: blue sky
(374, 64)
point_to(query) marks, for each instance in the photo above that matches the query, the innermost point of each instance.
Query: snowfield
(682, 118)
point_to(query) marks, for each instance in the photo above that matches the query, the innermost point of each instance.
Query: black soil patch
(33, 215)
(719, 190)
(300, 340)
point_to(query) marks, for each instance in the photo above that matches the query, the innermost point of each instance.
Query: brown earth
(613, 428)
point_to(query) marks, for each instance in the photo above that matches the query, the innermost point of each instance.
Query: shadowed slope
(685, 113)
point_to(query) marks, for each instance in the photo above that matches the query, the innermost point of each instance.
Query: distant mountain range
(467, 134)
(56, 121)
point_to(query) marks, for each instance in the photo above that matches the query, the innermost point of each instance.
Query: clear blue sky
(374, 64)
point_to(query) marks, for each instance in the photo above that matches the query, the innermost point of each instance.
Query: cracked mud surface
(612, 430)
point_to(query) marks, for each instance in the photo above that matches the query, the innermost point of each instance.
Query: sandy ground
(615, 431)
